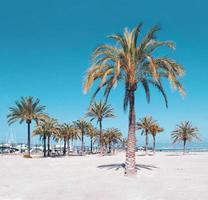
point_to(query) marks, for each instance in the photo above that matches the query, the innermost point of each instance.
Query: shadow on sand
(145, 155)
(173, 155)
(122, 165)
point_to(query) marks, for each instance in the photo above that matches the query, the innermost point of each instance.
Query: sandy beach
(165, 176)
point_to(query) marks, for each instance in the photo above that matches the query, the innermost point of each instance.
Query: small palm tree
(99, 111)
(82, 126)
(145, 124)
(112, 136)
(74, 134)
(45, 129)
(67, 132)
(41, 130)
(64, 134)
(132, 62)
(93, 133)
(53, 130)
(27, 109)
(185, 132)
(154, 130)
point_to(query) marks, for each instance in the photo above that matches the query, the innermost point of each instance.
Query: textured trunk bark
(44, 145)
(48, 145)
(130, 164)
(101, 141)
(146, 142)
(28, 136)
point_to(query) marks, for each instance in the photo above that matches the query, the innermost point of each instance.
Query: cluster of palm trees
(28, 110)
(131, 61)
(46, 129)
(183, 132)
(149, 126)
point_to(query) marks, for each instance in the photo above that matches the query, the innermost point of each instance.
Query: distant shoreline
(191, 149)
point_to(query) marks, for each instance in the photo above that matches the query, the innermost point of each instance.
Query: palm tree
(99, 111)
(124, 143)
(82, 126)
(67, 132)
(41, 130)
(27, 109)
(133, 63)
(112, 136)
(63, 134)
(145, 125)
(45, 129)
(154, 130)
(53, 129)
(93, 133)
(74, 134)
(185, 132)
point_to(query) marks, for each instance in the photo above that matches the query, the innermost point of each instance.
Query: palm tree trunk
(110, 147)
(184, 146)
(153, 144)
(64, 151)
(20, 148)
(36, 148)
(60, 146)
(68, 147)
(49, 145)
(82, 148)
(44, 145)
(72, 145)
(101, 145)
(130, 164)
(28, 137)
(146, 142)
(91, 144)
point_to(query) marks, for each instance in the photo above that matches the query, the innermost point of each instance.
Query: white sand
(165, 176)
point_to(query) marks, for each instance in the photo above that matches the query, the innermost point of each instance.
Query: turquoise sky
(45, 48)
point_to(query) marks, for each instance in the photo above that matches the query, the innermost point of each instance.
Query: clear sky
(45, 48)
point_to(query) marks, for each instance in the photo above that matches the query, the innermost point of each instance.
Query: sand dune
(165, 176)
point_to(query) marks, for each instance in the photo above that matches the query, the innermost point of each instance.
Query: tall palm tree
(82, 126)
(27, 109)
(185, 132)
(99, 111)
(45, 129)
(145, 125)
(112, 136)
(154, 130)
(133, 63)
(93, 133)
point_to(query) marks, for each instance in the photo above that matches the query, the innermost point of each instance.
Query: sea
(198, 147)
